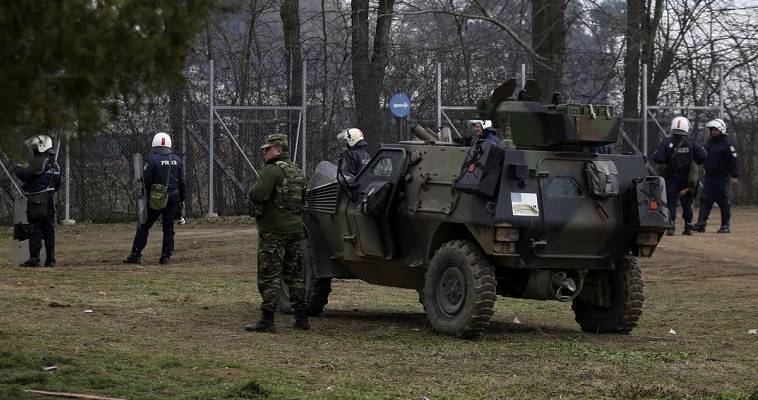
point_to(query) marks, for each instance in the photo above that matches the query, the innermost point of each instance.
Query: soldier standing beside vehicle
(164, 183)
(355, 156)
(721, 172)
(675, 154)
(278, 200)
(41, 178)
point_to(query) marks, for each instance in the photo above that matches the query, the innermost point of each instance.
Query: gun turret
(536, 125)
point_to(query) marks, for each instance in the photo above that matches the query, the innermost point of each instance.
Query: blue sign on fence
(400, 105)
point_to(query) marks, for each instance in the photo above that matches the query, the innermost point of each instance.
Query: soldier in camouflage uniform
(277, 199)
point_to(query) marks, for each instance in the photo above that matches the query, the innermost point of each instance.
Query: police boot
(133, 258)
(265, 324)
(31, 263)
(301, 321)
(687, 229)
(671, 230)
(724, 229)
(699, 227)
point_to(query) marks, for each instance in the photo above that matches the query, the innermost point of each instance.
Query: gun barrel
(424, 134)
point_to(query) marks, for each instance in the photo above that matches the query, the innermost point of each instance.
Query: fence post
(439, 95)
(721, 91)
(67, 194)
(644, 110)
(211, 214)
(304, 112)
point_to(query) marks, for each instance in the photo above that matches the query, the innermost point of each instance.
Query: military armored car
(542, 216)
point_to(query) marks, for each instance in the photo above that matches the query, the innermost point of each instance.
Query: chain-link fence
(245, 109)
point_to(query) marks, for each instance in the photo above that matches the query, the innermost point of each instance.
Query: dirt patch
(158, 332)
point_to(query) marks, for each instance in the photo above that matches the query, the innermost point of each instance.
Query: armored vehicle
(541, 216)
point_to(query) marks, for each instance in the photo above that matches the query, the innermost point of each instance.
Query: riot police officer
(676, 154)
(721, 171)
(355, 156)
(279, 195)
(166, 169)
(41, 178)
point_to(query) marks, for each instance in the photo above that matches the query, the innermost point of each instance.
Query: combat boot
(165, 260)
(699, 227)
(724, 229)
(265, 324)
(50, 262)
(30, 263)
(671, 230)
(687, 230)
(301, 321)
(133, 259)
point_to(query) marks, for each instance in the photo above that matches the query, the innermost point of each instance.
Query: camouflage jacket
(274, 213)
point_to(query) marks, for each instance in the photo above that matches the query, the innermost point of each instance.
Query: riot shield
(139, 187)
(21, 232)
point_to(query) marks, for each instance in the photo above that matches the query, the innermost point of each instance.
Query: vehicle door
(373, 193)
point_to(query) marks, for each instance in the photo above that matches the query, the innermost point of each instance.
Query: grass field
(175, 332)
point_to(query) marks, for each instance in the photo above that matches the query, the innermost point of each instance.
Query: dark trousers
(169, 214)
(715, 190)
(672, 196)
(43, 229)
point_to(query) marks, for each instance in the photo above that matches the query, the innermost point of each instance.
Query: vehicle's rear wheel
(611, 301)
(316, 289)
(459, 290)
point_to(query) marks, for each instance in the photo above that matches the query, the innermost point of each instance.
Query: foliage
(60, 60)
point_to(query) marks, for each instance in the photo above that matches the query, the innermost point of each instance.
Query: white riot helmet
(162, 139)
(483, 123)
(40, 143)
(350, 136)
(680, 126)
(718, 124)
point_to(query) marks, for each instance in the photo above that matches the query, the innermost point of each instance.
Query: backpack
(290, 192)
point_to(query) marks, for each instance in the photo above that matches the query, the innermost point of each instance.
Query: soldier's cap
(275, 139)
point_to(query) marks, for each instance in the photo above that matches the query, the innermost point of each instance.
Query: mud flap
(138, 183)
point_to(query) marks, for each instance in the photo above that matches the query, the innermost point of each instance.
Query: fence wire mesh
(100, 171)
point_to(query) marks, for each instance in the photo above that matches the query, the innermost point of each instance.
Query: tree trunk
(368, 71)
(548, 40)
(293, 60)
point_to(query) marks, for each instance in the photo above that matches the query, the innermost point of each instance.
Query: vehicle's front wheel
(316, 289)
(459, 290)
(611, 301)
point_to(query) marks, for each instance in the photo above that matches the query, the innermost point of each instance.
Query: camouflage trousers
(279, 260)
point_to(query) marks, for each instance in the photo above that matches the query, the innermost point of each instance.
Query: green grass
(175, 333)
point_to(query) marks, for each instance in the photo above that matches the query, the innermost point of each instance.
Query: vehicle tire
(625, 292)
(459, 290)
(316, 289)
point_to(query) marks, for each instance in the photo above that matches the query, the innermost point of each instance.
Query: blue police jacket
(722, 158)
(42, 173)
(491, 135)
(678, 164)
(157, 167)
(355, 157)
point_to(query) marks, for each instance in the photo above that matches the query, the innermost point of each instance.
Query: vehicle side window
(382, 168)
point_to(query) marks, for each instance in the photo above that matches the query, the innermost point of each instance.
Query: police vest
(682, 157)
(289, 192)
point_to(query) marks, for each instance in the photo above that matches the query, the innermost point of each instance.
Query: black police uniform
(42, 175)
(354, 158)
(158, 165)
(720, 166)
(677, 153)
